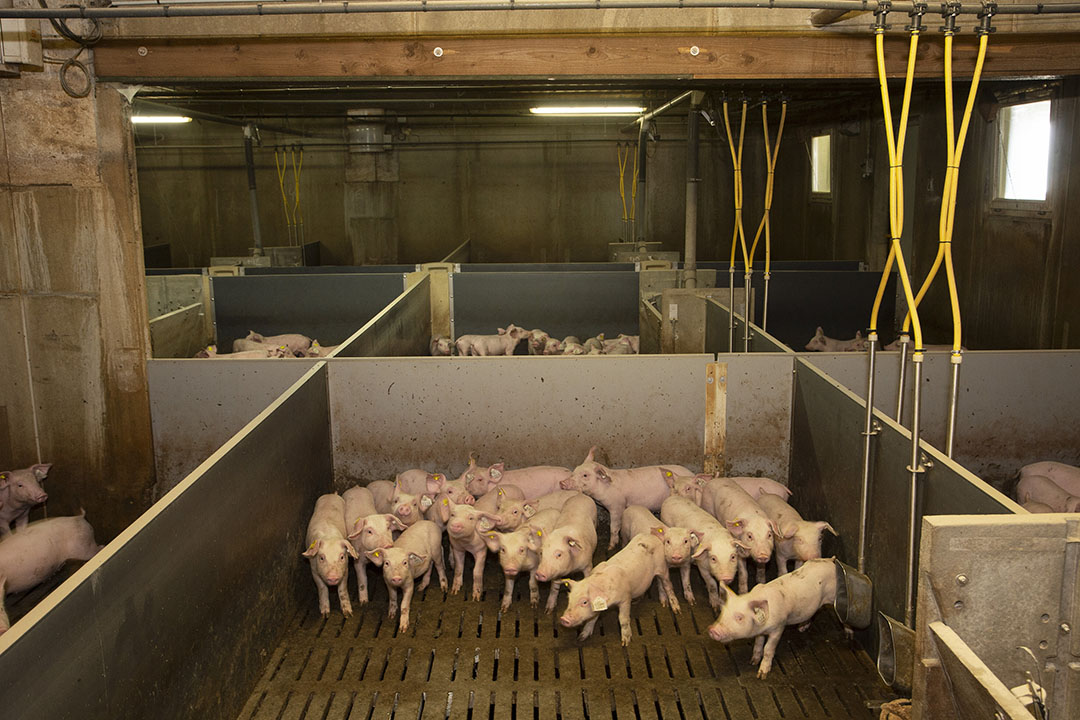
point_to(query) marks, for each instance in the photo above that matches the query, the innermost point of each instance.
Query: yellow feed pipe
(298, 214)
(622, 186)
(955, 150)
(281, 185)
(771, 154)
(738, 235)
(896, 181)
(633, 189)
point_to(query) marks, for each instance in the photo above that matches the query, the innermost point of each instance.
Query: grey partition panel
(758, 432)
(331, 270)
(776, 265)
(391, 414)
(176, 618)
(562, 303)
(649, 323)
(180, 333)
(826, 476)
(549, 267)
(328, 308)
(403, 328)
(838, 301)
(1016, 406)
(717, 327)
(196, 405)
(460, 254)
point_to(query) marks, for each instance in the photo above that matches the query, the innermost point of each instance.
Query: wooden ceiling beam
(825, 56)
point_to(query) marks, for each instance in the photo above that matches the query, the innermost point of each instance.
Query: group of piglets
(33, 552)
(257, 346)
(541, 522)
(1049, 487)
(508, 339)
(823, 343)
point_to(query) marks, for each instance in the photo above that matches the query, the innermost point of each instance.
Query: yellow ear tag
(311, 546)
(660, 530)
(491, 536)
(667, 473)
(376, 553)
(500, 492)
(445, 501)
(539, 533)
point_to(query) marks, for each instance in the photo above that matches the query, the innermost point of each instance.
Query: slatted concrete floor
(466, 660)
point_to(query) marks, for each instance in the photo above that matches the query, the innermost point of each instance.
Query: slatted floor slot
(465, 660)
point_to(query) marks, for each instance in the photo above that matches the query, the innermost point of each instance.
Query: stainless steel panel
(180, 333)
(196, 405)
(826, 473)
(1016, 406)
(1001, 583)
(176, 617)
(759, 389)
(328, 308)
(561, 303)
(403, 328)
(392, 414)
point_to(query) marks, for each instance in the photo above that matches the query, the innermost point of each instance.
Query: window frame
(816, 195)
(1016, 207)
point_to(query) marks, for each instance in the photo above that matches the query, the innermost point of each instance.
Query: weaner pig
(615, 582)
(765, 611)
(441, 346)
(296, 343)
(728, 502)
(413, 555)
(617, 488)
(368, 530)
(534, 481)
(1064, 476)
(569, 547)
(537, 341)
(796, 539)
(21, 490)
(515, 512)
(517, 556)
(717, 552)
(329, 550)
(501, 344)
(679, 543)
(464, 523)
(38, 550)
(822, 343)
(1037, 488)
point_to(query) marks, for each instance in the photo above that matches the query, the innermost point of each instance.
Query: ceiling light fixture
(588, 110)
(160, 119)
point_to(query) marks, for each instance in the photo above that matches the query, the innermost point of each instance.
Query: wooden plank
(715, 416)
(720, 57)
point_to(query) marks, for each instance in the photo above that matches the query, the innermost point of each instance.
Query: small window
(821, 164)
(1023, 161)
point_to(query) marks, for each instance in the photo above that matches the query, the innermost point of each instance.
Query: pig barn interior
(717, 178)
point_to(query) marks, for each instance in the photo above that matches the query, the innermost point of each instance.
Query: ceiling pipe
(280, 7)
(640, 121)
(693, 181)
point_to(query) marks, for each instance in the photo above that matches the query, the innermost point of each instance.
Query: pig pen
(327, 308)
(223, 626)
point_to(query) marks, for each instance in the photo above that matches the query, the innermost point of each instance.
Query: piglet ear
(589, 457)
(41, 470)
(823, 526)
(657, 531)
(735, 527)
(312, 549)
(375, 556)
(695, 537)
(417, 559)
(358, 527)
(602, 474)
(4, 476)
(760, 608)
(528, 509)
(395, 523)
(669, 477)
(426, 501)
(443, 504)
(492, 540)
(352, 551)
(819, 331)
(434, 482)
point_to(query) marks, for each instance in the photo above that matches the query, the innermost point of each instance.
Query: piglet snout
(676, 558)
(565, 621)
(716, 634)
(332, 579)
(404, 511)
(41, 497)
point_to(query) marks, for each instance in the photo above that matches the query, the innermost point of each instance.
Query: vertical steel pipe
(915, 468)
(902, 380)
(731, 310)
(249, 159)
(868, 433)
(765, 309)
(954, 396)
(693, 181)
(746, 311)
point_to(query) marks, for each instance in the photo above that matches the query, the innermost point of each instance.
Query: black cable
(84, 42)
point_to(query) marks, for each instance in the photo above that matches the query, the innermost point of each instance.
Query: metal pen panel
(328, 308)
(392, 413)
(548, 267)
(403, 328)
(197, 405)
(199, 588)
(330, 270)
(561, 303)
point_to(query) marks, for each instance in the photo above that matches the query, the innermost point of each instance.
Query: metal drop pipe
(693, 181)
(868, 433)
(954, 396)
(904, 342)
(249, 158)
(280, 7)
(916, 469)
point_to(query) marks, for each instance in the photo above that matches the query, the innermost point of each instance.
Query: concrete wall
(73, 319)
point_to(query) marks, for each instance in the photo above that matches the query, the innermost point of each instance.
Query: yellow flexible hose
(770, 165)
(633, 188)
(281, 185)
(896, 194)
(622, 170)
(955, 149)
(298, 214)
(738, 235)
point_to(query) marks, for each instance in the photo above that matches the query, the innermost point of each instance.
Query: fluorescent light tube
(160, 119)
(587, 110)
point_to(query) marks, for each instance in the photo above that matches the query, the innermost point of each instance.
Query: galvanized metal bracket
(875, 429)
(924, 463)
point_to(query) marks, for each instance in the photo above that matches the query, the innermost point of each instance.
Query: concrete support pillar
(73, 321)
(371, 187)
